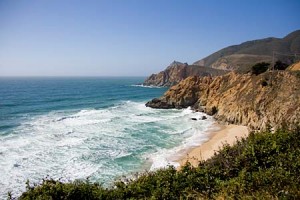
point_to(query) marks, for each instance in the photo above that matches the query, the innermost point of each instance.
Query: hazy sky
(129, 37)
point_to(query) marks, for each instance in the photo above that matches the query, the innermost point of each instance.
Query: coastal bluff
(177, 72)
(270, 99)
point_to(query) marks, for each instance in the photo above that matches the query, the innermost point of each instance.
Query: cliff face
(177, 71)
(271, 98)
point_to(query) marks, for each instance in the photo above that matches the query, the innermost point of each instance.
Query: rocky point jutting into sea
(266, 100)
(178, 71)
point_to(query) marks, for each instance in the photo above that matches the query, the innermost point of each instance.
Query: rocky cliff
(271, 98)
(178, 71)
(294, 67)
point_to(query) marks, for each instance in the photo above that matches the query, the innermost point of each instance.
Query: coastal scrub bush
(259, 68)
(264, 83)
(263, 166)
(280, 65)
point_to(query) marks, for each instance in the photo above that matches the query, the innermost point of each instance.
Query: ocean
(89, 127)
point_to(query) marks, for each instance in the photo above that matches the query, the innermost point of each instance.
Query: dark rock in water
(158, 103)
(17, 165)
(193, 118)
(201, 109)
(203, 117)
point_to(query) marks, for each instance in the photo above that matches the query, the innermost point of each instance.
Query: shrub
(280, 65)
(264, 166)
(260, 68)
(264, 83)
(214, 110)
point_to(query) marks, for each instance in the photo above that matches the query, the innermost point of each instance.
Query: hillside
(241, 57)
(178, 71)
(269, 99)
(294, 67)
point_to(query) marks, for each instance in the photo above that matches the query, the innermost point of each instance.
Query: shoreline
(224, 134)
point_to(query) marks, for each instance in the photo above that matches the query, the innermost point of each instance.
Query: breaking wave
(102, 144)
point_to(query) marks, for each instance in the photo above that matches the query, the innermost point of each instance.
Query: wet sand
(226, 134)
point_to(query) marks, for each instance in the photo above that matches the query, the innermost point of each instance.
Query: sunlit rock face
(177, 72)
(269, 99)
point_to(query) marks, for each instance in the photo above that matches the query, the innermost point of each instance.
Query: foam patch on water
(101, 144)
(194, 136)
(146, 86)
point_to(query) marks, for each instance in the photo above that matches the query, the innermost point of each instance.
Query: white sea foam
(101, 144)
(146, 86)
(196, 135)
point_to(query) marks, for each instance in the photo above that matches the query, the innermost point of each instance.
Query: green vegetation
(263, 166)
(280, 65)
(260, 68)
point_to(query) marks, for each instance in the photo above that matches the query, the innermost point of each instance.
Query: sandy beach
(225, 134)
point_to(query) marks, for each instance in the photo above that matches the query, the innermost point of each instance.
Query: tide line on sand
(227, 134)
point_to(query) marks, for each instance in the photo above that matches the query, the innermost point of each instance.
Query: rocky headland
(270, 99)
(178, 71)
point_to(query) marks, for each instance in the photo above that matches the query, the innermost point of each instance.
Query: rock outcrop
(269, 99)
(178, 71)
(294, 67)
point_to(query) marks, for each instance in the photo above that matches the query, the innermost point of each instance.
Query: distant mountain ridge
(241, 57)
(238, 58)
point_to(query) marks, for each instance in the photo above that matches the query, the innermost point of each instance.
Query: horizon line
(71, 76)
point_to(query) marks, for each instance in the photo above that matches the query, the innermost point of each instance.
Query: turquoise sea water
(74, 128)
